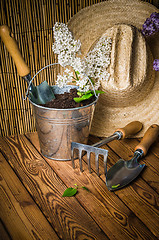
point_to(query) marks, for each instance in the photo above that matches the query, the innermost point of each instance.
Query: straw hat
(132, 92)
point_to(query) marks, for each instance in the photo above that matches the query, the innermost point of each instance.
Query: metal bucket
(57, 128)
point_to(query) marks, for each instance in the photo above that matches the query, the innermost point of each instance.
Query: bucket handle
(52, 64)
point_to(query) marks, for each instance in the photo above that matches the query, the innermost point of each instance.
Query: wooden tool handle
(149, 138)
(130, 129)
(13, 49)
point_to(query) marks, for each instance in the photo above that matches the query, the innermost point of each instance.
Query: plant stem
(76, 76)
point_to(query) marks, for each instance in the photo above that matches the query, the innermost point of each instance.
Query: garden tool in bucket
(123, 172)
(121, 133)
(40, 94)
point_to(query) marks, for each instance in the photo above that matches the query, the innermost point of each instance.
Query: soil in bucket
(65, 101)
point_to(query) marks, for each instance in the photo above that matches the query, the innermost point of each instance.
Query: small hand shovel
(40, 94)
(123, 172)
(121, 133)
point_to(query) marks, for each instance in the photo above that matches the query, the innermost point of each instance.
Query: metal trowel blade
(121, 175)
(44, 94)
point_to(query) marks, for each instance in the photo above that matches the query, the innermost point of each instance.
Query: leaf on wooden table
(69, 192)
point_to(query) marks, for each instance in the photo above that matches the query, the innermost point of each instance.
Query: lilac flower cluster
(151, 25)
(156, 65)
(94, 65)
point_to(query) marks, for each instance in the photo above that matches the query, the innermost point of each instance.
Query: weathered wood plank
(104, 206)
(19, 213)
(3, 232)
(66, 215)
(144, 203)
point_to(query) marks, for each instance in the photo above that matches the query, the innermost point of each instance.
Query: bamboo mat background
(31, 23)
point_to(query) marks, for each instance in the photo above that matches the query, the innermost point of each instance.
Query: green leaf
(87, 96)
(85, 188)
(84, 93)
(77, 99)
(80, 93)
(84, 97)
(115, 186)
(69, 192)
(90, 91)
(98, 91)
(76, 73)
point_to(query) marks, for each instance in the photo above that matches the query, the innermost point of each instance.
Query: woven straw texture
(31, 23)
(132, 92)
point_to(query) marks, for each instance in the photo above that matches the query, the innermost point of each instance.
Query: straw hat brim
(88, 25)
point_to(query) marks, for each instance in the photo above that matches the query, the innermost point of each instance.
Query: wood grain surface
(32, 186)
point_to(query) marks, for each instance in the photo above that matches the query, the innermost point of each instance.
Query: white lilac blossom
(98, 60)
(65, 46)
(62, 80)
(92, 68)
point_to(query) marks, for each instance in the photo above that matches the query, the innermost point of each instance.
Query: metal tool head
(86, 149)
(121, 174)
(41, 94)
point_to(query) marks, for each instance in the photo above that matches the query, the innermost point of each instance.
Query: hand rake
(121, 133)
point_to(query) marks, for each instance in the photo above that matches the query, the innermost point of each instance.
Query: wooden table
(32, 206)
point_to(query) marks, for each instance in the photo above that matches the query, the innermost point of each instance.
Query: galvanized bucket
(57, 128)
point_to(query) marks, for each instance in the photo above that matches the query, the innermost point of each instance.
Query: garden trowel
(123, 172)
(38, 94)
